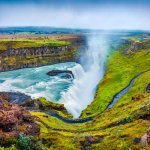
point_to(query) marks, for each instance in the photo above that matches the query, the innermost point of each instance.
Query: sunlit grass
(29, 43)
(120, 70)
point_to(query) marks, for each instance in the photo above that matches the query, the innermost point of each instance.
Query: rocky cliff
(15, 119)
(11, 58)
(137, 45)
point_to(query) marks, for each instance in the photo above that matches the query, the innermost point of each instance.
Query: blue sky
(95, 14)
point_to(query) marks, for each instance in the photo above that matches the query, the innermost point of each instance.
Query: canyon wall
(12, 59)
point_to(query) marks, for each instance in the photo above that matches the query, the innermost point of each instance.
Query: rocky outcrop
(41, 104)
(148, 88)
(35, 51)
(15, 97)
(145, 139)
(64, 73)
(15, 119)
(137, 97)
(33, 57)
(89, 140)
(136, 46)
(128, 45)
(12, 59)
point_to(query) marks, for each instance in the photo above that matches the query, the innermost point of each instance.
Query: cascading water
(75, 94)
(82, 92)
(35, 82)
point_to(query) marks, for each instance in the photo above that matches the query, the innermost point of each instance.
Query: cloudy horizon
(100, 14)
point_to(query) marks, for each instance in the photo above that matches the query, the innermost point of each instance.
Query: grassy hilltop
(23, 51)
(28, 43)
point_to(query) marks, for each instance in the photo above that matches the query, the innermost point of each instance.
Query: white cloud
(95, 18)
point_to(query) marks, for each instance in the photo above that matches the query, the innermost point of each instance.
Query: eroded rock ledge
(64, 73)
(34, 57)
(12, 59)
(15, 119)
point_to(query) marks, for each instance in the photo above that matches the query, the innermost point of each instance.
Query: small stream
(22, 97)
(113, 102)
(123, 91)
(56, 115)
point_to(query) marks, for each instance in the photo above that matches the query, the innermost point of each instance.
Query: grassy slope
(17, 61)
(27, 43)
(117, 127)
(120, 70)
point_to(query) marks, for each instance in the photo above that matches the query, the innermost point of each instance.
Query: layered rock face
(145, 139)
(33, 57)
(12, 59)
(135, 46)
(15, 119)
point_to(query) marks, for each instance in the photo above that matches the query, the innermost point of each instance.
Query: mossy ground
(14, 62)
(18, 61)
(115, 128)
(120, 70)
(59, 108)
(29, 43)
(112, 129)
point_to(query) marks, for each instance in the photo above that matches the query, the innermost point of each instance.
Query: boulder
(64, 73)
(15, 119)
(135, 46)
(137, 97)
(145, 139)
(148, 88)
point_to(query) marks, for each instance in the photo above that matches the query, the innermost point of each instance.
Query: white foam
(35, 82)
(82, 92)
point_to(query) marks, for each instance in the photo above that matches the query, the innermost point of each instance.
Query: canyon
(92, 126)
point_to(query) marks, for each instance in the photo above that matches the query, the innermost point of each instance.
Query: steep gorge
(12, 59)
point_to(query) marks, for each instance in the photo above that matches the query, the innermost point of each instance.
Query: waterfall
(87, 76)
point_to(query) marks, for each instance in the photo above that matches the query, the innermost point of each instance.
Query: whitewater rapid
(87, 76)
(75, 93)
(35, 82)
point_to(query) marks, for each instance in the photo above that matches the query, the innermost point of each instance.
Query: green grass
(117, 136)
(17, 61)
(116, 127)
(120, 70)
(59, 108)
(127, 112)
(134, 39)
(29, 43)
